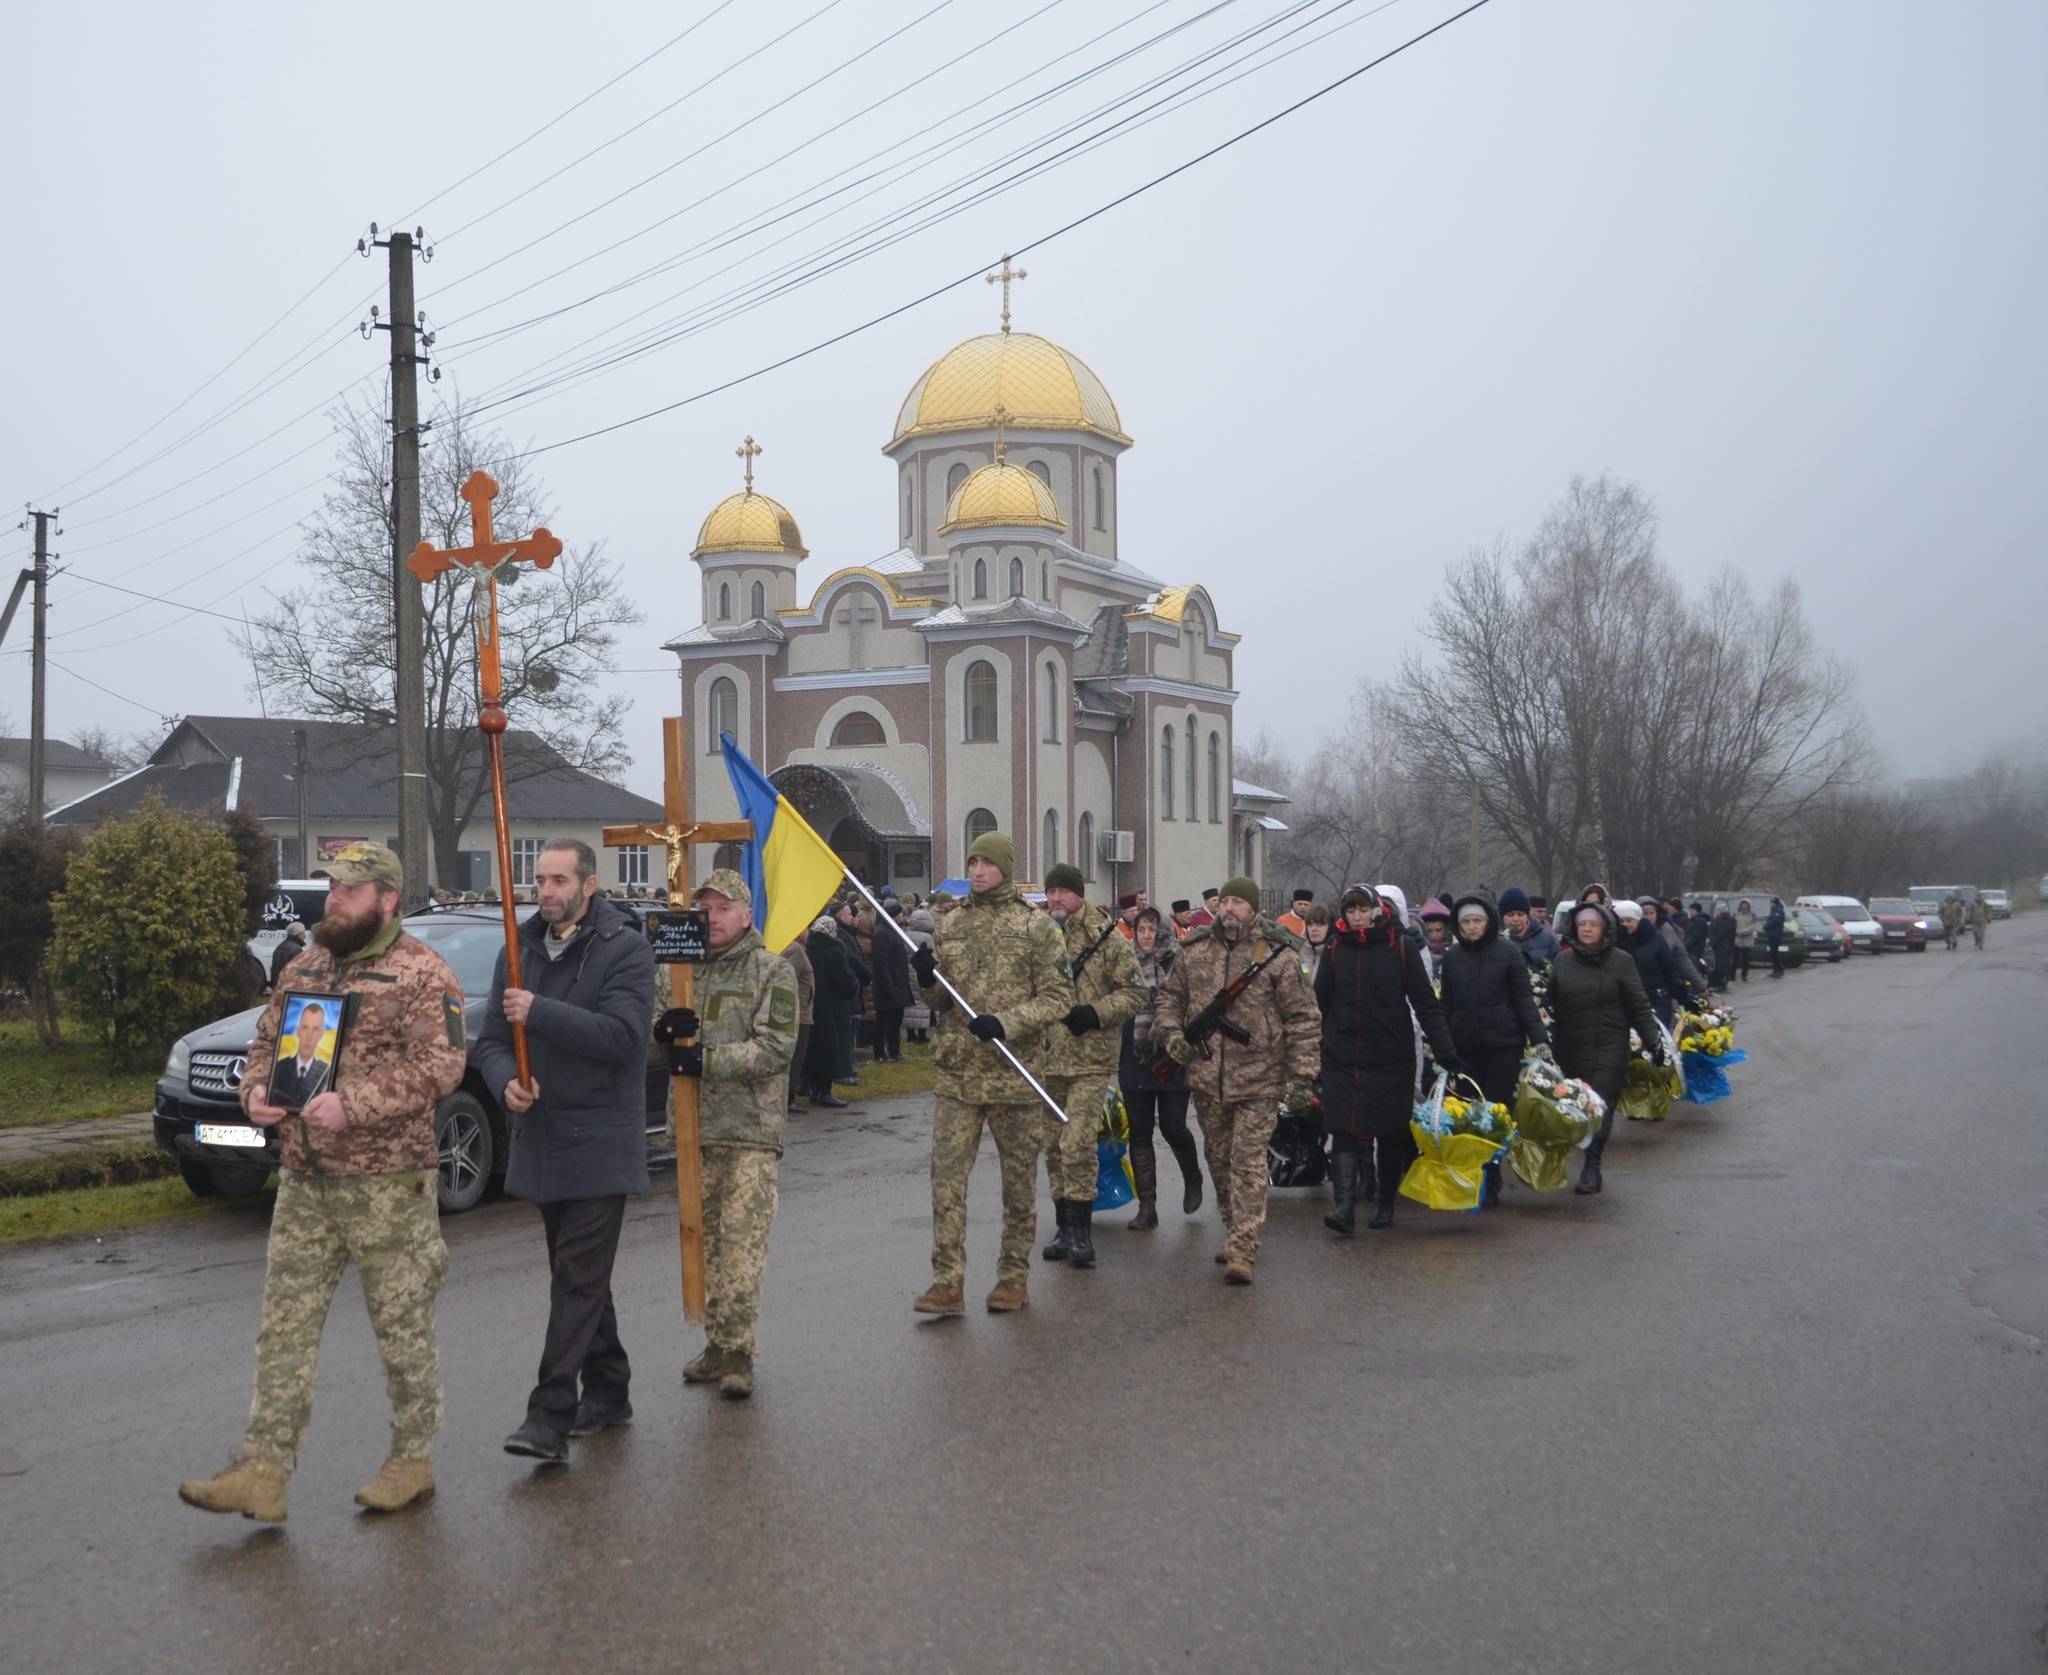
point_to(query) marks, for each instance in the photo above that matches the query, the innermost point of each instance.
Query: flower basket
(1554, 1116)
(1455, 1139)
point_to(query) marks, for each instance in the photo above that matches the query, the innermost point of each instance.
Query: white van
(1853, 917)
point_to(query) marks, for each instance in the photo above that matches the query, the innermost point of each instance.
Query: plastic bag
(1295, 1155)
(1705, 1081)
(1115, 1185)
(1450, 1157)
(1648, 1089)
(1549, 1128)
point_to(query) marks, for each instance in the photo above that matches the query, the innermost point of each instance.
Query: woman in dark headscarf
(1596, 998)
(837, 993)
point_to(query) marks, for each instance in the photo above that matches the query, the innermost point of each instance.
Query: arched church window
(909, 507)
(1193, 805)
(1166, 772)
(1051, 734)
(725, 709)
(1215, 779)
(760, 600)
(1039, 469)
(726, 855)
(725, 601)
(1045, 578)
(954, 478)
(1049, 838)
(981, 702)
(981, 578)
(1016, 578)
(1251, 852)
(979, 824)
(1084, 847)
(857, 727)
(1101, 499)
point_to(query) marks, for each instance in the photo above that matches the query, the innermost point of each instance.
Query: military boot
(399, 1483)
(1081, 1233)
(1008, 1297)
(1145, 1172)
(1063, 1240)
(941, 1299)
(738, 1382)
(1237, 1271)
(708, 1368)
(252, 1486)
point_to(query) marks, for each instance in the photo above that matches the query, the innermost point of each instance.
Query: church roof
(749, 523)
(826, 793)
(1043, 387)
(1003, 614)
(704, 634)
(1001, 496)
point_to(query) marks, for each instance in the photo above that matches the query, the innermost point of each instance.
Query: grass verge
(40, 1084)
(127, 1164)
(884, 1081)
(60, 1215)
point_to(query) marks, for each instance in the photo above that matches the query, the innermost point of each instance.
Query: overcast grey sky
(1779, 261)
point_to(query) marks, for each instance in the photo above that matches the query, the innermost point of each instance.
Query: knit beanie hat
(1627, 911)
(1244, 890)
(1065, 876)
(1434, 909)
(993, 846)
(1514, 900)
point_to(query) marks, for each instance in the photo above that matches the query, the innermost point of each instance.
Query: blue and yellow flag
(791, 870)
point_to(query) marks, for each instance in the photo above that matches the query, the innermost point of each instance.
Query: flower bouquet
(1554, 1115)
(1706, 1044)
(1115, 1185)
(1455, 1139)
(1649, 1088)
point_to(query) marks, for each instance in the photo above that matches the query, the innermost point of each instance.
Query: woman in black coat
(892, 989)
(1489, 1006)
(1657, 962)
(1372, 988)
(837, 993)
(1596, 998)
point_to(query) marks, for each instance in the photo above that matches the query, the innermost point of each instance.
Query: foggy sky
(1780, 263)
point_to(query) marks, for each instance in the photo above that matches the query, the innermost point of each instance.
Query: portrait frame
(294, 1083)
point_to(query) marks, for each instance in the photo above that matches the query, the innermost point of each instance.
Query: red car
(1905, 925)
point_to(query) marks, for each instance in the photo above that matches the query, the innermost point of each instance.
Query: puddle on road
(2016, 1294)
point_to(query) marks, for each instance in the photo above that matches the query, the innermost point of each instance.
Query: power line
(147, 709)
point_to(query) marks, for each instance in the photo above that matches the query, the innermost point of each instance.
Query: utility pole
(299, 783)
(39, 645)
(409, 696)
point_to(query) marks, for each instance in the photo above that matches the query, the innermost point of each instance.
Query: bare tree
(119, 750)
(330, 642)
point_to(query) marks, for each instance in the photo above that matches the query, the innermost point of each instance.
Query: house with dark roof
(214, 764)
(68, 772)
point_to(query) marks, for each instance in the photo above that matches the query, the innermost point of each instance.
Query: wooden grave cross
(675, 834)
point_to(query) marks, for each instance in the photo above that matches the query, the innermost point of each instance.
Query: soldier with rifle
(1238, 1020)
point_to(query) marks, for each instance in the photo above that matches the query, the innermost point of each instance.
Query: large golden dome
(750, 523)
(1001, 496)
(1043, 386)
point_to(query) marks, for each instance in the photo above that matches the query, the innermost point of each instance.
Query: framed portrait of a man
(308, 1048)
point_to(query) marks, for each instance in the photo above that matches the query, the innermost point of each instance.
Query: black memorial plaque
(680, 937)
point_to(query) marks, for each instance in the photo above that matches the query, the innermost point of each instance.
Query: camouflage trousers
(956, 1138)
(1234, 1139)
(740, 1196)
(390, 1225)
(1070, 1145)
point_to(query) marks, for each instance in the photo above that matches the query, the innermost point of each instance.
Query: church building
(1004, 667)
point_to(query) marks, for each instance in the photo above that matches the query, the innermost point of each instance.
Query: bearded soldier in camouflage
(1239, 1088)
(1080, 1059)
(357, 1182)
(1005, 957)
(746, 1007)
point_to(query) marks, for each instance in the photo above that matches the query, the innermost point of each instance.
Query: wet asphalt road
(1774, 1402)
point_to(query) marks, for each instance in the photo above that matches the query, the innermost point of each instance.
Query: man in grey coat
(579, 1133)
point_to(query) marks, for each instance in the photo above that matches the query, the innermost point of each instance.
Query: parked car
(1864, 931)
(1905, 925)
(1823, 937)
(199, 1117)
(1999, 902)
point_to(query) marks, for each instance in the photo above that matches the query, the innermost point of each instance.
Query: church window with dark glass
(1084, 846)
(725, 601)
(981, 578)
(981, 702)
(1052, 703)
(954, 478)
(1016, 578)
(1215, 779)
(760, 600)
(1049, 841)
(1193, 805)
(725, 710)
(1166, 772)
(980, 822)
(1101, 499)
(857, 727)
(1039, 469)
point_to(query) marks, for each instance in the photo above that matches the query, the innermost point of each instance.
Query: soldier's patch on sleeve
(782, 1009)
(451, 1015)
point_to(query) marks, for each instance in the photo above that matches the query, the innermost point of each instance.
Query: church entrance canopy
(867, 818)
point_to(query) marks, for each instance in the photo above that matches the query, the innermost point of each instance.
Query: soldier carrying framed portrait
(308, 1047)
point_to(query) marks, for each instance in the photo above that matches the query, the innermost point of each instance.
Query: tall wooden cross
(483, 558)
(750, 450)
(675, 834)
(1004, 279)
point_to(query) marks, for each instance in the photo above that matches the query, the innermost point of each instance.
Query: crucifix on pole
(675, 834)
(482, 559)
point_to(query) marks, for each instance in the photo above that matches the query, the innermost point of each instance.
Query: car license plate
(229, 1134)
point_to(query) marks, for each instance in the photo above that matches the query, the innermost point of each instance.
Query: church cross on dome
(1005, 277)
(749, 450)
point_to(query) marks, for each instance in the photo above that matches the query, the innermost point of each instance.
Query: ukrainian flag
(791, 870)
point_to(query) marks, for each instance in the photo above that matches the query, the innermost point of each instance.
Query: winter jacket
(1486, 996)
(287, 950)
(1657, 964)
(1540, 947)
(746, 998)
(1277, 1010)
(1372, 988)
(1697, 929)
(1745, 927)
(587, 1042)
(806, 981)
(1140, 1047)
(1105, 977)
(1691, 977)
(917, 1015)
(1721, 936)
(891, 971)
(1774, 925)
(1006, 959)
(833, 1000)
(1596, 998)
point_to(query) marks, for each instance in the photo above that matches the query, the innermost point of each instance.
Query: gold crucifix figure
(750, 450)
(1004, 278)
(1002, 417)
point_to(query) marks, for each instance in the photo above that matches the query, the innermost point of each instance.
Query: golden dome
(1043, 386)
(750, 523)
(1002, 497)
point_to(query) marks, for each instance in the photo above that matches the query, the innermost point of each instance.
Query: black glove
(926, 966)
(1453, 1066)
(1657, 1055)
(986, 1027)
(1082, 1019)
(686, 1061)
(678, 1023)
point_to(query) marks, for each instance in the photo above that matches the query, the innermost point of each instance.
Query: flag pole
(882, 916)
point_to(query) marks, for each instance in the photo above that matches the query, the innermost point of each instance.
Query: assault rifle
(1214, 1019)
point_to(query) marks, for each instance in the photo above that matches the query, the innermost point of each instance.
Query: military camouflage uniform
(1237, 1089)
(1005, 957)
(1077, 1068)
(365, 1193)
(746, 1002)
